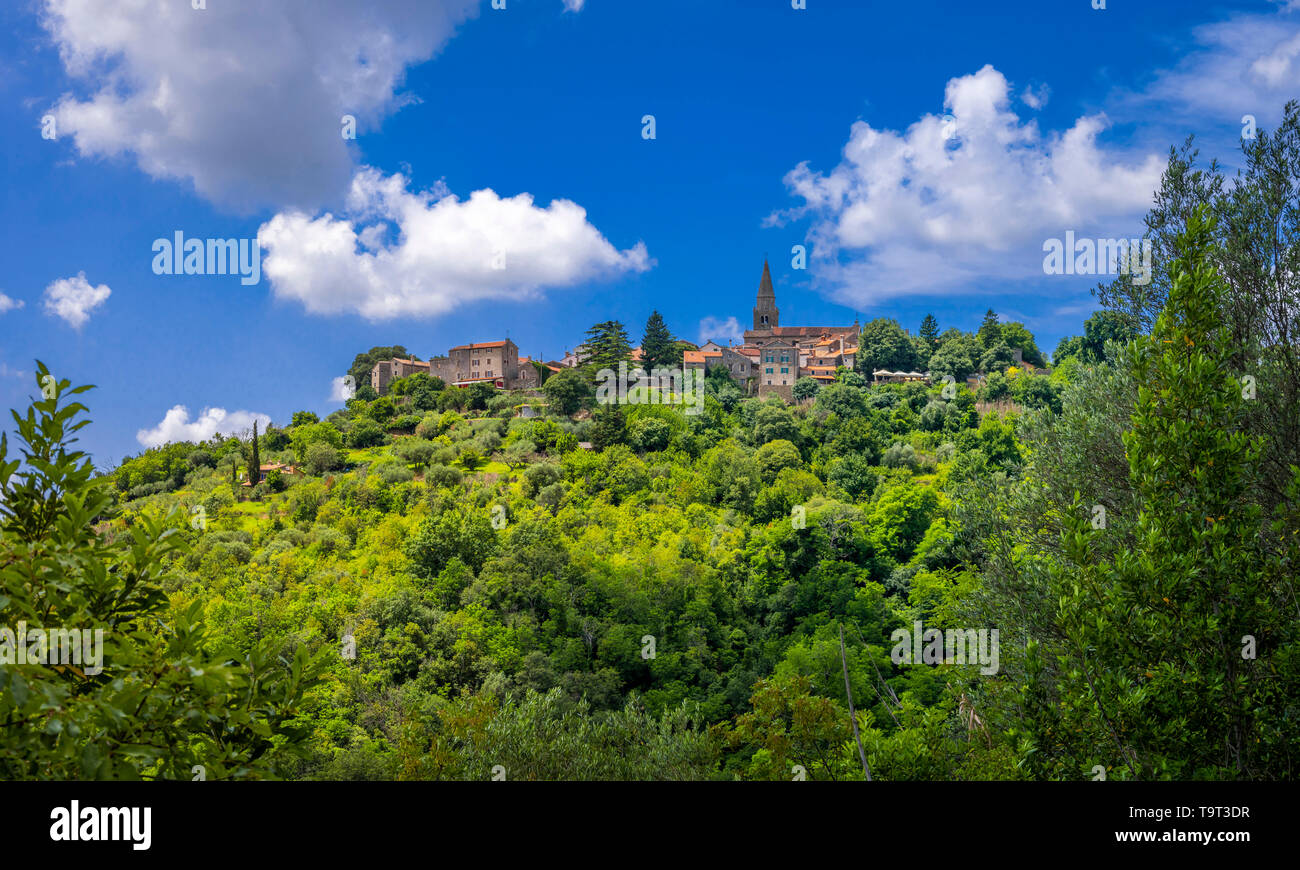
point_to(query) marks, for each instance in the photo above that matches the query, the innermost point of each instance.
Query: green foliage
(884, 345)
(305, 436)
(363, 363)
(658, 347)
(610, 426)
(649, 434)
(958, 357)
(607, 345)
(156, 693)
(502, 618)
(997, 358)
(366, 433)
(566, 391)
(774, 456)
(805, 389)
(1157, 677)
(990, 331)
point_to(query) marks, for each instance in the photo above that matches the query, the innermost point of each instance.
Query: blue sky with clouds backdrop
(481, 130)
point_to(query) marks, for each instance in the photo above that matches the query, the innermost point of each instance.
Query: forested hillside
(434, 585)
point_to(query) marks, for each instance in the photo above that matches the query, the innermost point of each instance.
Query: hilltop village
(770, 360)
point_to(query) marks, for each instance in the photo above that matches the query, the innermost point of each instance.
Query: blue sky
(922, 153)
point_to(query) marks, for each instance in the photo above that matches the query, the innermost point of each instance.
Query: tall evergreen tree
(930, 331)
(658, 348)
(607, 345)
(990, 330)
(255, 463)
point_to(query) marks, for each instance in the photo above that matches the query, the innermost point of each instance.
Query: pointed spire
(765, 285)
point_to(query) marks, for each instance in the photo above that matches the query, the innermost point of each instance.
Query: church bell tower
(766, 315)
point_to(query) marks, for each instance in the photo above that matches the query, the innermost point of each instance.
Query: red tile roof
(809, 331)
(699, 356)
(481, 344)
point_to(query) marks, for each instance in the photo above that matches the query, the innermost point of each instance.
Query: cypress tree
(254, 464)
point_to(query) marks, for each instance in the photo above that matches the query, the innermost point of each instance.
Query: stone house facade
(389, 370)
(493, 362)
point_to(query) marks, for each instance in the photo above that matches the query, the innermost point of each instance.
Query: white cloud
(576, 5)
(721, 329)
(244, 99)
(177, 426)
(441, 251)
(7, 304)
(1243, 65)
(912, 212)
(74, 298)
(1035, 98)
(6, 372)
(341, 390)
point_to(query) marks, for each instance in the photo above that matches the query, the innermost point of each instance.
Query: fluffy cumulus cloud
(720, 329)
(944, 205)
(177, 425)
(243, 99)
(74, 298)
(7, 304)
(400, 253)
(576, 5)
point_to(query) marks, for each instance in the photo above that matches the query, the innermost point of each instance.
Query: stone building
(493, 362)
(783, 354)
(778, 366)
(394, 369)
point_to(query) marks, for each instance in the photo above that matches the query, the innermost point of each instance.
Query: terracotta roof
(809, 331)
(410, 362)
(699, 356)
(480, 344)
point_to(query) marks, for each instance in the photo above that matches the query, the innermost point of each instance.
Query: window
(769, 371)
(785, 371)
